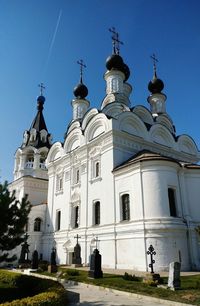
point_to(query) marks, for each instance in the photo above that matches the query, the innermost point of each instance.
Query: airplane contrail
(53, 40)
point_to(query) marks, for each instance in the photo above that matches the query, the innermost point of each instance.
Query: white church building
(122, 180)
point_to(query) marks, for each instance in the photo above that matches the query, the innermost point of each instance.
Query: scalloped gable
(143, 113)
(88, 116)
(55, 152)
(74, 140)
(73, 125)
(160, 134)
(97, 126)
(186, 144)
(132, 124)
(165, 120)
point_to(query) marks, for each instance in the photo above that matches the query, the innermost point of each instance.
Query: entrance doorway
(70, 258)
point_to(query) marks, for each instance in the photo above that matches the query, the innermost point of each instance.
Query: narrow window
(58, 219)
(60, 183)
(97, 213)
(172, 202)
(97, 169)
(37, 225)
(76, 223)
(77, 176)
(125, 207)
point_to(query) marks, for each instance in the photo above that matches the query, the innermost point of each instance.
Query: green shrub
(9, 278)
(16, 285)
(130, 277)
(55, 297)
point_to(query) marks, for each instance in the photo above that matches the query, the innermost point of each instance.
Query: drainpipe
(143, 215)
(115, 234)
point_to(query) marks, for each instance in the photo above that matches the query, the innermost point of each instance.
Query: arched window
(42, 160)
(37, 225)
(97, 213)
(29, 160)
(97, 169)
(172, 202)
(125, 202)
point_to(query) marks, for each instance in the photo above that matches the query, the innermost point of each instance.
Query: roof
(145, 155)
(38, 125)
(192, 166)
(39, 122)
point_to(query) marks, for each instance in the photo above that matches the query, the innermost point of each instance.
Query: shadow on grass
(9, 294)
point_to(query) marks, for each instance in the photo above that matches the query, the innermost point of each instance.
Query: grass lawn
(189, 292)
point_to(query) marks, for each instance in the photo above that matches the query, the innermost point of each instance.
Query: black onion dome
(156, 85)
(114, 61)
(80, 91)
(40, 101)
(125, 69)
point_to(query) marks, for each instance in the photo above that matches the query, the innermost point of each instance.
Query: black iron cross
(41, 85)
(115, 40)
(155, 60)
(77, 238)
(82, 65)
(96, 240)
(151, 252)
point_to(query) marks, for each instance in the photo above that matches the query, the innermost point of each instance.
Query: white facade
(122, 175)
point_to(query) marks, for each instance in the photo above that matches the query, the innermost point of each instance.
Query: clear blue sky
(29, 55)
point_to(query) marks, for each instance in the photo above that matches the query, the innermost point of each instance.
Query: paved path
(89, 295)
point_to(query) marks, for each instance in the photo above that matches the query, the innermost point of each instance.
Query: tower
(30, 173)
(157, 98)
(116, 76)
(80, 104)
(30, 157)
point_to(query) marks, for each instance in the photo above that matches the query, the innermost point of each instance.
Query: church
(121, 180)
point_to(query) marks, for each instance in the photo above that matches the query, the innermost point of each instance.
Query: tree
(13, 219)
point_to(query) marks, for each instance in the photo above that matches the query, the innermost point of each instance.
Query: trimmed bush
(130, 277)
(55, 297)
(39, 291)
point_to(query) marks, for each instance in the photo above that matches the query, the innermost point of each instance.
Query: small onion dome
(114, 61)
(125, 69)
(80, 91)
(156, 85)
(40, 101)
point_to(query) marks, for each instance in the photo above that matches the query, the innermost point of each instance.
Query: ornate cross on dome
(115, 40)
(155, 60)
(42, 87)
(82, 65)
